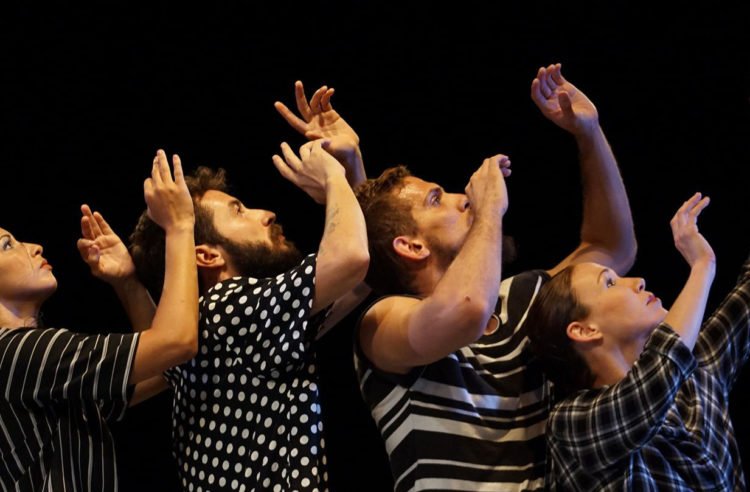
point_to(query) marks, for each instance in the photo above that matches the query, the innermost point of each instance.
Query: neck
(18, 314)
(610, 365)
(428, 278)
(212, 276)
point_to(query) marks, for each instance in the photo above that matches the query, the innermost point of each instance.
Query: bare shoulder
(384, 333)
(388, 310)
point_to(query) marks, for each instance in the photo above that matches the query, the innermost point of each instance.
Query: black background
(88, 95)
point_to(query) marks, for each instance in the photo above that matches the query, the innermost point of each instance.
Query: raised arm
(319, 120)
(173, 336)
(400, 333)
(723, 345)
(607, 234)
(686, 313)
(109, 260)
(343, 256)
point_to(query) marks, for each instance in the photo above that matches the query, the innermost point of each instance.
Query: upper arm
(723, 345)
(337, 274)
(400, 333)
(588, 252)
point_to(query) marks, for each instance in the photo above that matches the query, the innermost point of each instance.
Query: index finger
(90, 223)
(291, 118)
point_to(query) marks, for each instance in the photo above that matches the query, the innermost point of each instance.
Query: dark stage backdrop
(87, 96)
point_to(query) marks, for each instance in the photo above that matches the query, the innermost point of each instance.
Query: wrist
(705, 265)
(125, 284)
(183, 226)
(588, 134)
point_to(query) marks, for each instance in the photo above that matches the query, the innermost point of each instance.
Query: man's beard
(260, 260)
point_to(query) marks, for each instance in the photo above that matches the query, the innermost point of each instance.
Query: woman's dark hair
(554, 308)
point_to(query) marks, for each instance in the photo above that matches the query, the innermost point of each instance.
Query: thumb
(89, 251)
(93, 255)
(564, 99)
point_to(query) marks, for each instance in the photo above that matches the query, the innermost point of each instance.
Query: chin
(50, 289)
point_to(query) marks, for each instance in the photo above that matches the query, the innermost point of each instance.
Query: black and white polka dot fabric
(246, 412)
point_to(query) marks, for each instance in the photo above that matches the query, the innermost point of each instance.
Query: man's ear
(580, 331)
(209, 256)
(411, 248)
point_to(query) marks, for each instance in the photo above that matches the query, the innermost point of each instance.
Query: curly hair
(387, 216)
(552, 311)
(147, 242)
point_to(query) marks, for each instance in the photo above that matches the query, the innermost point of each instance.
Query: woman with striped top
(58, 389)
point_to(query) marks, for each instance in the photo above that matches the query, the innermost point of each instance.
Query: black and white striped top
(57, 391)
(473, 420)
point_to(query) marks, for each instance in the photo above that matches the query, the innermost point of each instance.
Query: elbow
(355, 263)
(624, 256)
(360, 263)
(186, 347)
(470, 317)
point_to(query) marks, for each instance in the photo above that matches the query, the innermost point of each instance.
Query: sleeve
(600, 427)
(724, 342)
(262, 324)
(43, 366)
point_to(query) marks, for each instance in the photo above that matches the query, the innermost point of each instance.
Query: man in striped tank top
(442, 360)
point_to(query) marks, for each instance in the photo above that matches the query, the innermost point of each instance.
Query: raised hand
(486, 189)
(102, 250)
(311, 170)
(169, 202)
(319, 120)
(689, 241)
(562, 103)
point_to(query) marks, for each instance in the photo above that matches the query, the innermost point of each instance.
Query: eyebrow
(599, 278)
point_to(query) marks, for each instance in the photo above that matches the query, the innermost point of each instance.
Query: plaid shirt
(666, 425)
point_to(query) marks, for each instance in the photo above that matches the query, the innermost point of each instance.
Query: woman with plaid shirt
(646, 390)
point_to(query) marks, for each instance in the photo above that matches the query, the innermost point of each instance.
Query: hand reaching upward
(562, 103)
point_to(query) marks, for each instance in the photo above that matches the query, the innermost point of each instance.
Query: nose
(268, 218)
(640, 284)
(463, 202)
(34, 249)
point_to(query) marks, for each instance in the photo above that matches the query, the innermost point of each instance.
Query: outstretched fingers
(291, 118)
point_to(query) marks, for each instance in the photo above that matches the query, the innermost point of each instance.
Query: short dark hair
(387, 216)
(147, 242)
(555, 307)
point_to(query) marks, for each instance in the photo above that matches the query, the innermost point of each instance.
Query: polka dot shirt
(246, 411)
